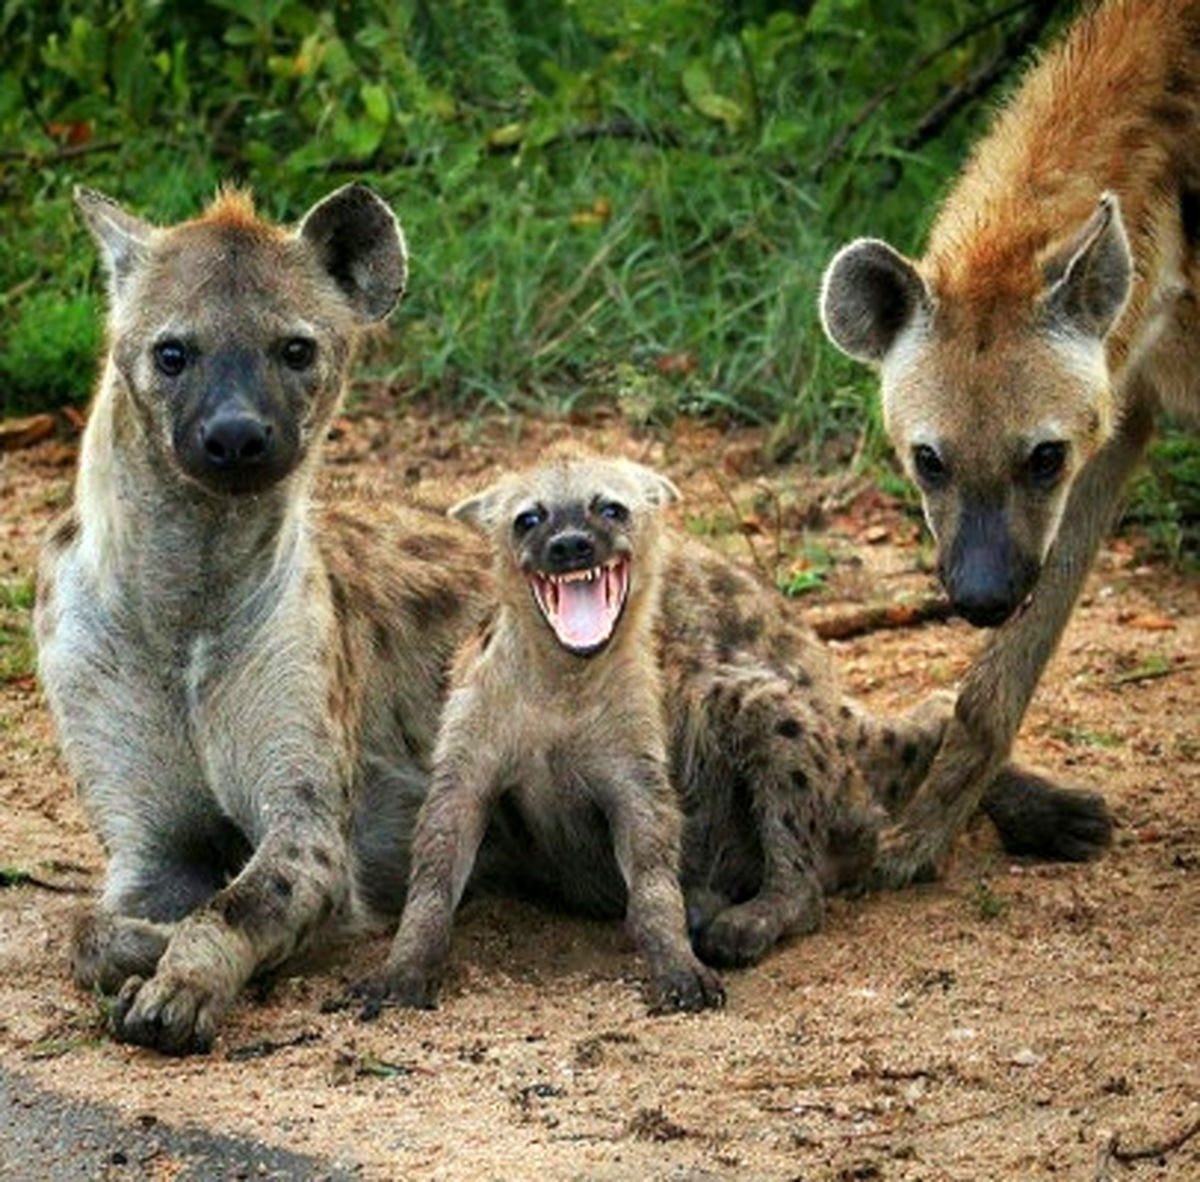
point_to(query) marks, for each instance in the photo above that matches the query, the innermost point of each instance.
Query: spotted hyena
(1024, 356)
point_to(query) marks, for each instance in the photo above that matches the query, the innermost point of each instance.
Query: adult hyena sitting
(220, 658)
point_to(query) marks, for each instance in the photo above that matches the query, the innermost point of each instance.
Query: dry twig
(876, 617)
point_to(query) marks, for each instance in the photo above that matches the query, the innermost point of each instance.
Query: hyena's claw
(688, 988)
(408, 991)
(174, 1018)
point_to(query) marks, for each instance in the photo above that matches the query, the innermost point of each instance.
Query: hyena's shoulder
(715, 612)
(59, 537)
(409, 571)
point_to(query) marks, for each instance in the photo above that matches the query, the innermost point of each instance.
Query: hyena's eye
(613, 510)
(1046, 462)
(298, 352)
(170, 356)
(930, 467)
(530, 519)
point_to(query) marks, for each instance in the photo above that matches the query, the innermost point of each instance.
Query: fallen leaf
(75, 416)
(675, 364)
(16, 433)
(1150, 623)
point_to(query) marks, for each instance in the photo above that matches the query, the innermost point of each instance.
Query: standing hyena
(1023, 358)
(232, 673)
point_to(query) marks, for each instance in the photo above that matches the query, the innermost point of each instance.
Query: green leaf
(356, 138)
(241, 35)
(375, 100)
(698, 87)
(507, 136)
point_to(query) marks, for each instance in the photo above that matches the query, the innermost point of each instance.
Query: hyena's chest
(549, 830)
(184, 713)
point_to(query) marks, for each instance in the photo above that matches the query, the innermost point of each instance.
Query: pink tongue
(584, 620)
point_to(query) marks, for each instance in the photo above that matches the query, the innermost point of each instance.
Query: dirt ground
(1015, 1020)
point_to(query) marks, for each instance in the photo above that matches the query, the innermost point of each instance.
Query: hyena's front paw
(744, 934)
(106, 950)
(407, 990)
(169, 1014)
(1036, 817)
(687, 987)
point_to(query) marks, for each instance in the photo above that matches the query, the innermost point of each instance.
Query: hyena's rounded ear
(478, 511)
(659, 489)
(123, 238)
(360, 243)
(654, 489)
(869, 294)
(1090, 279)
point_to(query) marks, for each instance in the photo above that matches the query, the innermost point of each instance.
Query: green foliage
(50, 350)
(585, 184)
(17, 659)
(619, 200)
(987, 905)
(1166, 498)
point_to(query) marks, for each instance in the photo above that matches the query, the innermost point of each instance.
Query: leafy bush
(49, 353)
(588, 185)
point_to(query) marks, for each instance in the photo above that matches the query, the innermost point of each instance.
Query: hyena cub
(555, 730)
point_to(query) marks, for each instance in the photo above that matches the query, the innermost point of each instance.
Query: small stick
(877, 617)
(1157, 1148)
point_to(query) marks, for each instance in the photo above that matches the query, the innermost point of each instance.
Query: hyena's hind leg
(1032, 815)
(894, 752)
(784, 816)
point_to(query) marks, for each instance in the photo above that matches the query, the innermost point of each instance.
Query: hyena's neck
(1113, 107)
(167, 549)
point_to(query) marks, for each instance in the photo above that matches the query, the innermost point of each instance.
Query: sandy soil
(1016, 1020)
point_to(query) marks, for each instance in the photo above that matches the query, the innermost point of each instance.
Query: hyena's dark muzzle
(580, 580)
(234, 432)
(986, 573)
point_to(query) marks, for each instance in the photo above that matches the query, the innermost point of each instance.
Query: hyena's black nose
(236, 439)
(570, 550)
(988, 583)
(984, 610)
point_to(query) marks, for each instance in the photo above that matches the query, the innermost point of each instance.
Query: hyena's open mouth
(582, 607)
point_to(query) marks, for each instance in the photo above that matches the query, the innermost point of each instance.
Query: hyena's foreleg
(1000, 683)
(643, 816)
(293, 884)
(449, 830)
(107, 949)
(1032, 815)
